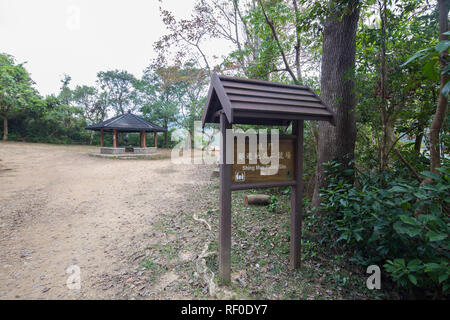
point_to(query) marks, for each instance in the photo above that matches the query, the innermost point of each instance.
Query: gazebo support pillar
(156, 139)
(101, 138)
(114, 138)
(143, 142)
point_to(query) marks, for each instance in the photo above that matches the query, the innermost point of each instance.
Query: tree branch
(298, 43)
(275, 35)
(408, 165)
(401, 136)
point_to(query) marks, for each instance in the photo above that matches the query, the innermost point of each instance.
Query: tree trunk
(91, 137)
(5, 128)
(384, 113)
(166, 142)
(298, 44)
(418, 141)
(383, 138)
(337, 82)
(388, 141)
(441, 110)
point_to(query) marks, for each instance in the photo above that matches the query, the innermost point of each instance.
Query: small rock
(25, 253)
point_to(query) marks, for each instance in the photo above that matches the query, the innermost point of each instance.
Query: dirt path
(61, 208)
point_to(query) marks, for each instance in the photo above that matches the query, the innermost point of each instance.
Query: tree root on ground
(200, 263)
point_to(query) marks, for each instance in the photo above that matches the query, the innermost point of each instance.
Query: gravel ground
(60, 208)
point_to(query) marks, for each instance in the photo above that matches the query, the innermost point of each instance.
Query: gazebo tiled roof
(127, 122)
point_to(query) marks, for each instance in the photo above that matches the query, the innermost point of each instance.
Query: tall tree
(267, 37)
(92, 101)
(65, 94)
(394, 103)
(435, 65)
(337, 88)
(190, 88)
(276, 37)
(384, 121)
(158, 98)
(16, 90)
(441, 110)
(118, 87)
(60, 119)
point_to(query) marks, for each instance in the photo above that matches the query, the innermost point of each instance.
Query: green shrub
(398, 224)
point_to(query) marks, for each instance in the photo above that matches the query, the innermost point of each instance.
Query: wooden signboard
(243, 173)
(254, 102)
(243, 176)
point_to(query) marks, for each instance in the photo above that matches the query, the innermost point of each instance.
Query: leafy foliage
(402, 225)
(16, 90)
(118, 88)
(429, 61)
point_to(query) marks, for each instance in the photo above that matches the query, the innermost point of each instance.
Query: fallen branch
(200, 264)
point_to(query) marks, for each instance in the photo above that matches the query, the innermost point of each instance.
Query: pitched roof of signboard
(127, 122)
(248, 101)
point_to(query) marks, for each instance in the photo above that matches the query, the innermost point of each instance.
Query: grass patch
(154, 270)
(260, 252)
(260, 255)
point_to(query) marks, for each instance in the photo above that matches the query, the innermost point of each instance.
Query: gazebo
(127, 122)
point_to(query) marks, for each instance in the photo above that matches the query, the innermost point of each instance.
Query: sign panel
(250, 173)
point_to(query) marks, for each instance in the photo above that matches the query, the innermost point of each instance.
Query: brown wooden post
(155, 138)
(101, 138)
(114, 138)
(144, 142)
(296, 198)
(142, 139)
(225, 206)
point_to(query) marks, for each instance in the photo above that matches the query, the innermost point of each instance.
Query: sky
(82, 37)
